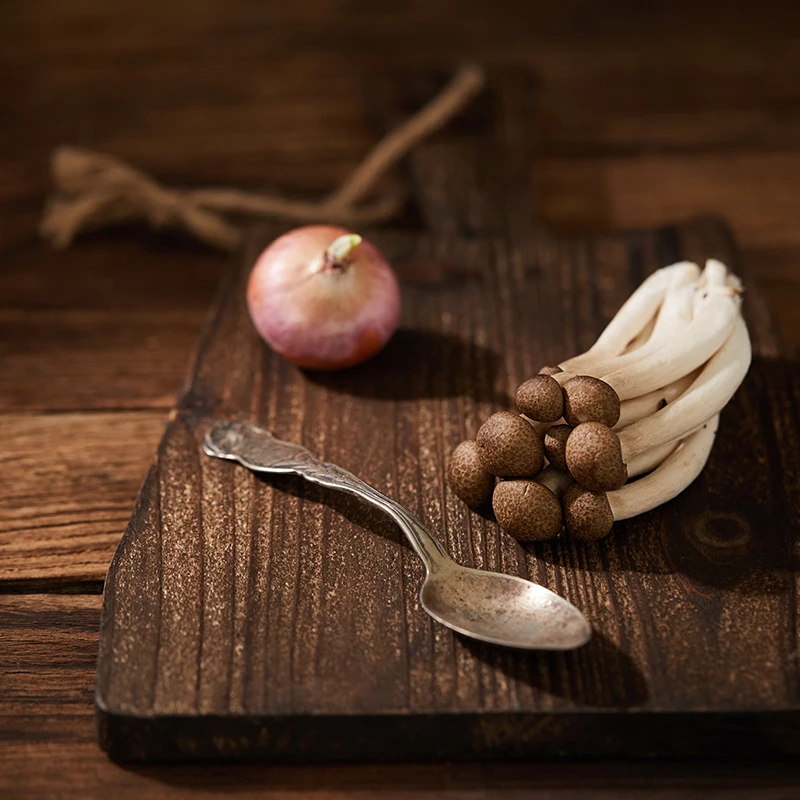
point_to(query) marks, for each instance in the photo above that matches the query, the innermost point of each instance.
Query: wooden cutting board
(246, 617)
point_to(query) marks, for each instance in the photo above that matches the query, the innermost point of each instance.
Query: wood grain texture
(68, 484)
(281, 103)
(246, 94)
(48, 748)
(588, 194)
(246, 617)
(82, 360)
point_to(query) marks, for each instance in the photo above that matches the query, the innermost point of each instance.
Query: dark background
(647, 113)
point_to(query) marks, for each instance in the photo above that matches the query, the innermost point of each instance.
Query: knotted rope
(94, 190)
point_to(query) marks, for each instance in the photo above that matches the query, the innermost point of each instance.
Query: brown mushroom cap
(588, 399)
(541, 398)
(587, 514)
(509, 447)
(594, 457)
(468, 477)
(555, 446)
(527, 510)
(550, 370)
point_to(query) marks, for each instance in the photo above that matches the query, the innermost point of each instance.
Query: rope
(94, 190)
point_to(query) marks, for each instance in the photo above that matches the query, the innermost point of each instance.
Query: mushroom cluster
(625, 426)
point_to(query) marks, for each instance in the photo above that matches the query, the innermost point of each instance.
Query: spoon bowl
(502, 609)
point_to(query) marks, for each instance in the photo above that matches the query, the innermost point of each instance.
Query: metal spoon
(496, 608)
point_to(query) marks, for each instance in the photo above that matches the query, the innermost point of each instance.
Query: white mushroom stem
(675, 314)
(634, 315)
(734, 282)
(707, 396)
(715, 273)
(694, 321)
(541, 428)
(637, 408)
(649, 460)
(555, 480)
(715, 316)
(641, 338)
(669, 479)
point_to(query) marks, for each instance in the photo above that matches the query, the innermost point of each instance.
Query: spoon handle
(259, 450)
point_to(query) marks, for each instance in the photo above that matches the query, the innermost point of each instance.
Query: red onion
(323, 298)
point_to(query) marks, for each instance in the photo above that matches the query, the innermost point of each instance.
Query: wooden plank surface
(636, 89)
(82, 360)
(72, 492)
(48, 748)
(245, 95)
(295, 626)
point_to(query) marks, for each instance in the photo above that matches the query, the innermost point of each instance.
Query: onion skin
(322, 314)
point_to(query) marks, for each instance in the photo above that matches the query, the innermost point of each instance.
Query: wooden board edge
(456, 737)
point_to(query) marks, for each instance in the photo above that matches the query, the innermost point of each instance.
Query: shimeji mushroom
(530, 510)
(509, 447)
(468, 478)
(634, 316)
(649, 391)
(641, 338)
(688, 346)
(550, 370)
(541, 398)
(589, 515)
(674, 314)
(555, 445)
(714, 318)
(640, 407)
(555, 437)
(650, 459)
(587, 398)
(597, 456)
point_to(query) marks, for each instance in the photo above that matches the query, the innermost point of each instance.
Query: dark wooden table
(645, 116)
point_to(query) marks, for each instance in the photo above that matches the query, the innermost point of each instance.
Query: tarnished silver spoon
(496, 608)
